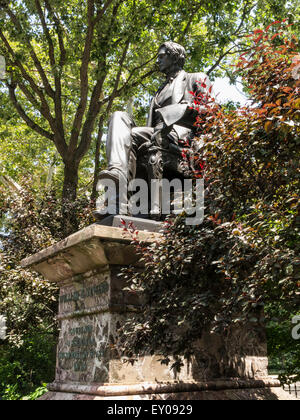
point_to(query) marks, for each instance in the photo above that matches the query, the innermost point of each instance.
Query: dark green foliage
(284, 351)
(32, 221)
(194, 279)
(24, 368)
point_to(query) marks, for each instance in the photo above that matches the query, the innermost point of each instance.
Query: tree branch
(29, 95)
(24, 116)
(133, 71)
(188, 25)
(33, 55)
(84, 81)
(46, 33)
(57, 76)
(120, 65)
(246, 12)
(103, 10)
(95, 105)
(222, 56)
(88, 127)
(59, 30)
(97, 155)
(44, 108)
(11, 184)
(128, 85)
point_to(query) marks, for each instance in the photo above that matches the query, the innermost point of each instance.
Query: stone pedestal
(93, 306)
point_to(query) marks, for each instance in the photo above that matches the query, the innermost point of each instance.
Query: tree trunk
(97, 164)
(70, 181)
(69, 196)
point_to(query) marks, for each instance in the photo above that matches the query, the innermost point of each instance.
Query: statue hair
(177, 51)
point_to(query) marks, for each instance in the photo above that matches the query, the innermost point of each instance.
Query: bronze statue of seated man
(154, 151)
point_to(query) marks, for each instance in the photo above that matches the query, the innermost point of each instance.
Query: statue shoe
(113, 175)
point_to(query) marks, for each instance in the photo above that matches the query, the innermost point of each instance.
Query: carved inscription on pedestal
(90, 294)
(83, 350)
(82, 347)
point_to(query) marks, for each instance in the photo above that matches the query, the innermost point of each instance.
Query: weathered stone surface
(138, 223)
(94, 247)
(91, 311)
(211, 391)
(241, 354)
(267, 394)
(92, 308)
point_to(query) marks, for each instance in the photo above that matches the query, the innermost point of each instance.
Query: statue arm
(179, 114)
(185, 112)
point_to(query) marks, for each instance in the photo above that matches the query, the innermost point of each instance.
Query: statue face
(164, 60)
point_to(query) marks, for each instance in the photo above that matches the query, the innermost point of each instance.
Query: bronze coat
(178, 113)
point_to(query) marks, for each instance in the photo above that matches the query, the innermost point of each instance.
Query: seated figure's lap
(141, 135)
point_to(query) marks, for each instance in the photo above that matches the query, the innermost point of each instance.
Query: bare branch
(88, 127)
(29, 95)
(95, 105)
(42, 107)
(133, 71)
(97, 154)
(246, 13)
(11, 184)
(120, 65)
(190, 21)
(222, 56)
(129, 85)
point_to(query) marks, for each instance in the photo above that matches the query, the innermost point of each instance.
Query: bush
(31, 221)
(24, 368)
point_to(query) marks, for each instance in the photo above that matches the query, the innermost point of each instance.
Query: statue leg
(119, 144)
(123, 142)
(122, 148)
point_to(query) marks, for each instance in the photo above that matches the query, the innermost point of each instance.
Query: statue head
(171, 56)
